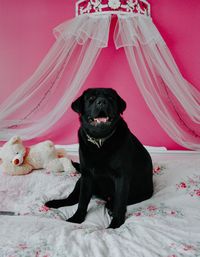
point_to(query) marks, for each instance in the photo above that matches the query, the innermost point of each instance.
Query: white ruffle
(86, 27)
(131, 30)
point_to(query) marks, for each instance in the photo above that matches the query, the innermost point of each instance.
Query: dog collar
(99, 141)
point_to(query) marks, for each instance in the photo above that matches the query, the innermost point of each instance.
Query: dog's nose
(100, 102)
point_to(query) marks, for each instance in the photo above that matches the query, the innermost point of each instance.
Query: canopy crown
(134, 7)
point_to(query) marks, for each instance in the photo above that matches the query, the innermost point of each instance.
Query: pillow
(155, 148)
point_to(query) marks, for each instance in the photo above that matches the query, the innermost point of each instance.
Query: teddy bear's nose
(16, 161)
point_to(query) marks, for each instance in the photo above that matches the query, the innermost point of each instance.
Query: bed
(167, 225)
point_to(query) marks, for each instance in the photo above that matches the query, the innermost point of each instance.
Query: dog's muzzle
(100, 115)
(101, 103)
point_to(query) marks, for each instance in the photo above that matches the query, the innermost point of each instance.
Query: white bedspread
(167, 225)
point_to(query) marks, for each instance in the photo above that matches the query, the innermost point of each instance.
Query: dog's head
(99, 110)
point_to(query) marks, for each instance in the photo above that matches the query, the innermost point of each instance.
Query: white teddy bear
(16, 159)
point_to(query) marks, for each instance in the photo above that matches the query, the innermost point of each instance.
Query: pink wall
(26, 35)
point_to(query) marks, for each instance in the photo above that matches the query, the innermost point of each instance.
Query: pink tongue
(98, 120)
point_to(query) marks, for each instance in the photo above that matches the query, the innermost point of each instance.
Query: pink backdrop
(26, 35)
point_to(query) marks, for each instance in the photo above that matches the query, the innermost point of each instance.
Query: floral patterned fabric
(167, 225)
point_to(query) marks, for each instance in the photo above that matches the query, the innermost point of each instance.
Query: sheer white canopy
(174, 101)
(41, 101)
(45, 96)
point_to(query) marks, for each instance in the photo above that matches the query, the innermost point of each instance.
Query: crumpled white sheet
(167, 225)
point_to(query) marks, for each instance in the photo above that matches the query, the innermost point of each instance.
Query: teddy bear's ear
(15, 140)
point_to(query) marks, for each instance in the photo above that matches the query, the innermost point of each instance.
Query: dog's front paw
(116, 222)
(77, 218)
(54, 204)
(109, 206)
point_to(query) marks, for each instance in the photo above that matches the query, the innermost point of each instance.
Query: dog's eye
(16, 152)
(92, 98)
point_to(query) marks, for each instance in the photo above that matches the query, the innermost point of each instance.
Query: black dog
(114, 165)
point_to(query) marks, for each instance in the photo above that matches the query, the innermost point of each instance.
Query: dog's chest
(100, 172)
(103, 170)
(100, 164)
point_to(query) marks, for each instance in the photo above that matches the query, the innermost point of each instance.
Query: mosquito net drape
(174, 102)
(43, 99)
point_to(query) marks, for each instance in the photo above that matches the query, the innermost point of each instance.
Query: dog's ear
(78, 104)
(121, 104)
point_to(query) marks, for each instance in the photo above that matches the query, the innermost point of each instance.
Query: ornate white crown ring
(141, 7)
(114, 4)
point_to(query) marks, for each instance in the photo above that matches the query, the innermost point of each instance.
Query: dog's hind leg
(72, 199)
(76, 166)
